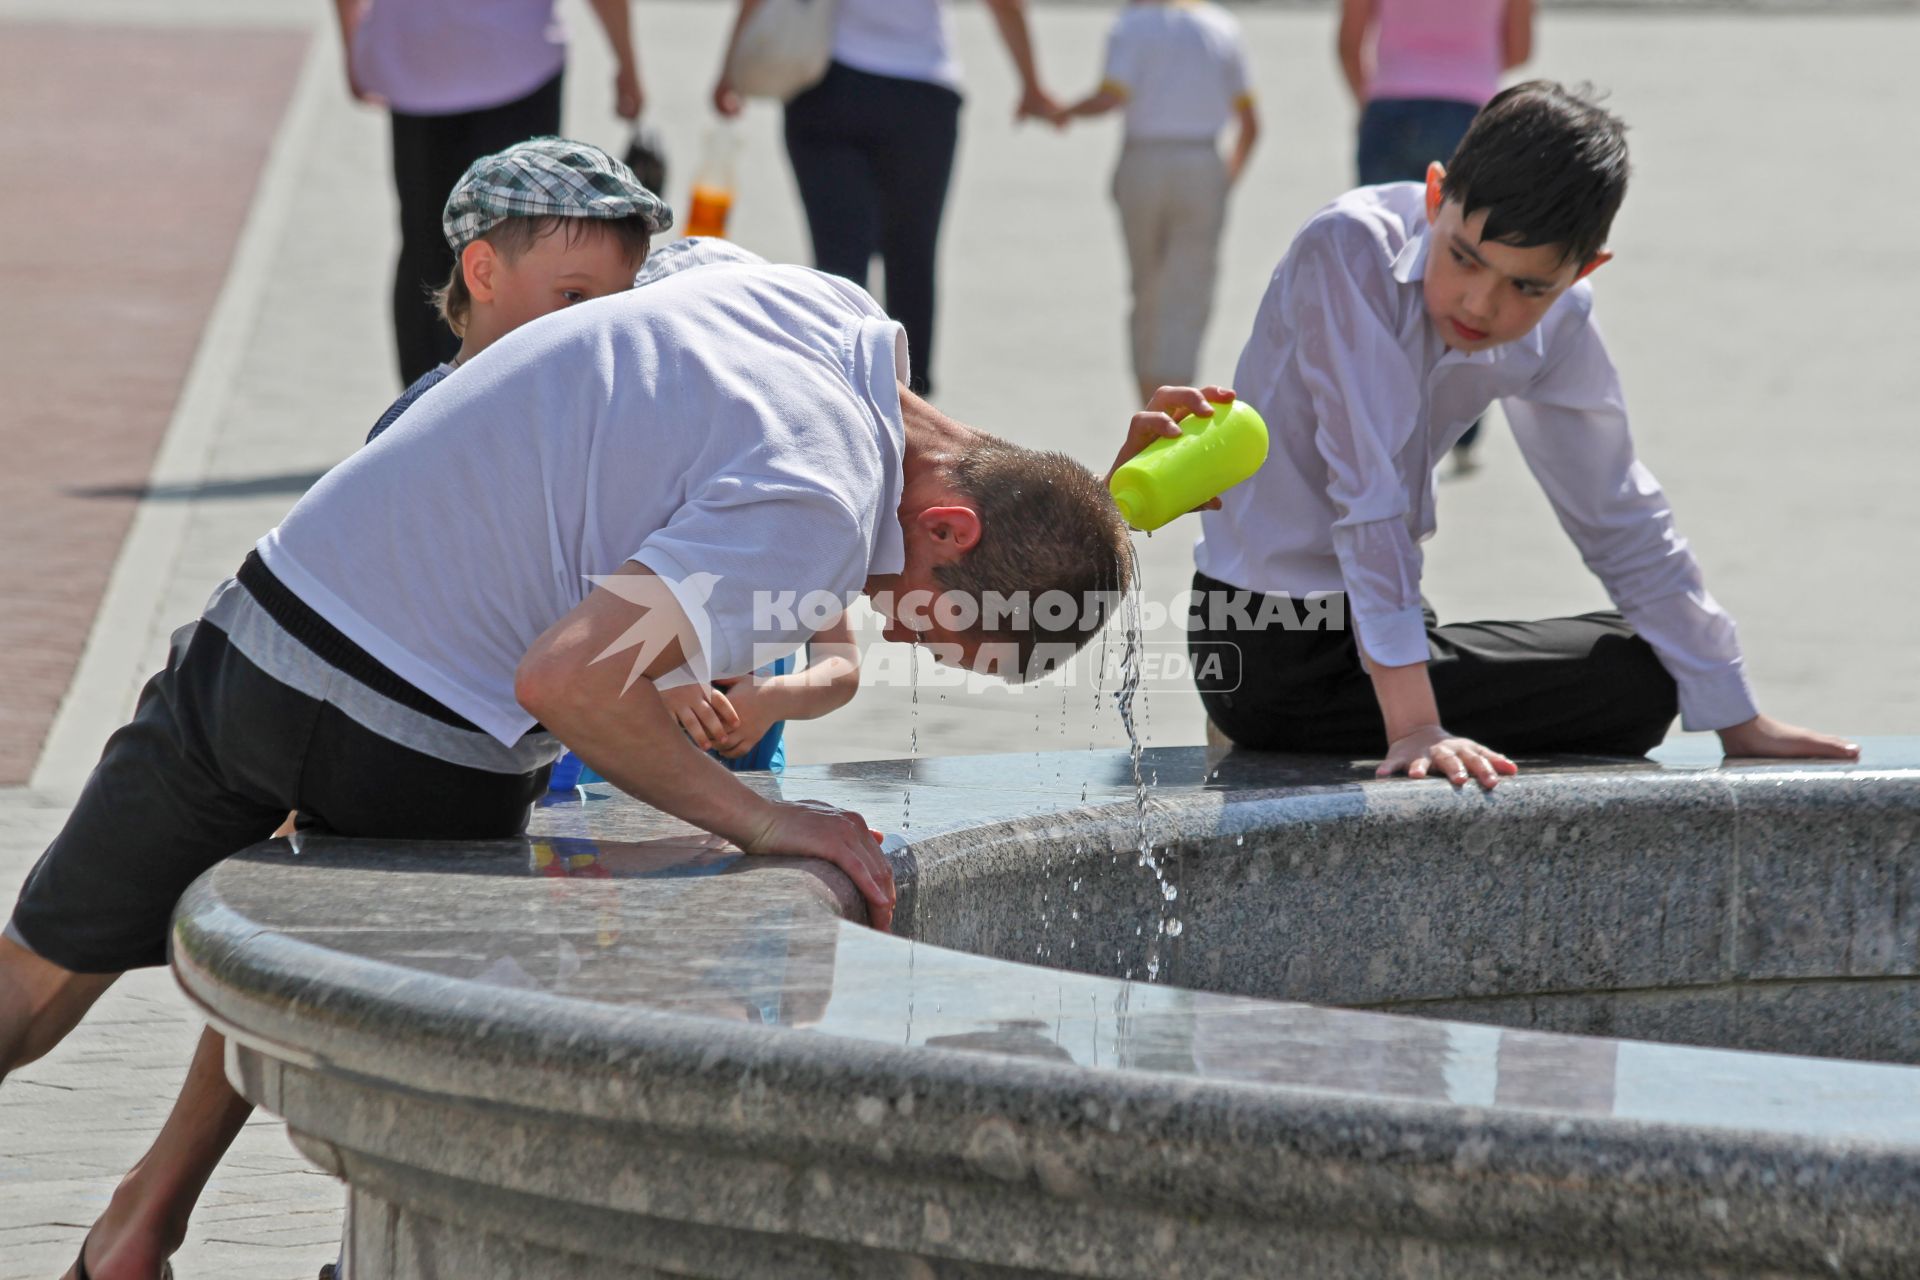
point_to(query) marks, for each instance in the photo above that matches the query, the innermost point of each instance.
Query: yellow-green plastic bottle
(1177, 474)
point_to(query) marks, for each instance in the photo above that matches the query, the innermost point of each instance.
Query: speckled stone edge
(1032, 1133)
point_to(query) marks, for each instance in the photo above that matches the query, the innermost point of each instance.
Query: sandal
(80, 1271)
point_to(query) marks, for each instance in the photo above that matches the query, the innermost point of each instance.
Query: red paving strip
(128, 159)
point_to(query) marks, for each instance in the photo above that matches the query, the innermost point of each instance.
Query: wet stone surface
(702, 1063)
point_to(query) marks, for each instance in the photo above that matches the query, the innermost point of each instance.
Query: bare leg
(147, 1218)
(39, 1003)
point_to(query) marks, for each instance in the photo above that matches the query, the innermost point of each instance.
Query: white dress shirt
(1363, 399)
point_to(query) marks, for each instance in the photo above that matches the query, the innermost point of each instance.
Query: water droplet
(1174, 928)
(1169, 892)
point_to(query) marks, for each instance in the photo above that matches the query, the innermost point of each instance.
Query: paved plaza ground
(186, 347)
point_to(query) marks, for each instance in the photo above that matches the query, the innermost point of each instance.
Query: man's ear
(478, 262)
(952, 530)
(1594, 263)
(1436, 195)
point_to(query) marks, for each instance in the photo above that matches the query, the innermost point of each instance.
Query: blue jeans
(1400, 137)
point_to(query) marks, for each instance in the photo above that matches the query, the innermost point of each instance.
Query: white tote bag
(784, 48)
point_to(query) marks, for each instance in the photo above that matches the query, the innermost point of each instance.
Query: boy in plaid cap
(535, 228)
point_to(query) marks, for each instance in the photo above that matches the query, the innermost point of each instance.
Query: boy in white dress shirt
(1179, 68)
(1397, 316)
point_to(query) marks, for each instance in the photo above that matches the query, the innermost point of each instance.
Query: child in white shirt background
(1179, 69)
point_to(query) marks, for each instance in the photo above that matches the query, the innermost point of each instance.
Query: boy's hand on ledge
(1431, 749)
(809, 829)
(1160, 420)
(1763, 737)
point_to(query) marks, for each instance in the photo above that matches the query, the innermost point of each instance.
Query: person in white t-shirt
(1179, 68)
(872, 145)
(663, 484)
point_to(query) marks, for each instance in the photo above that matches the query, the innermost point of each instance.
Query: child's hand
(755, 715)
(703, 711)
(1160, 418)
(1432, 747)
(1037, 104)
(1763, 737)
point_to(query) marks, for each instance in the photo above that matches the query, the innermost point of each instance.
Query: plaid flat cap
(547, 178)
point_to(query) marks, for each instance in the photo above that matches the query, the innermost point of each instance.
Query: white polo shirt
(1363, 400)
(1182, 68)
(906, 39)
(736, 429)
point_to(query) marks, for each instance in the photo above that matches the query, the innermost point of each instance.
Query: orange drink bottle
(712, 198)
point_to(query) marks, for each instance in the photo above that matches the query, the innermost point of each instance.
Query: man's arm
(616, 18)
(578, 680)
(1010, 16)
(726, 99)
(1356, 19)
(349, 13)
(1516, 34)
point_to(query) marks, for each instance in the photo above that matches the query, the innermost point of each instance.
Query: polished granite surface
(609, 903)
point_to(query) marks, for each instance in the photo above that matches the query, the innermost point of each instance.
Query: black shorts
(258, 712)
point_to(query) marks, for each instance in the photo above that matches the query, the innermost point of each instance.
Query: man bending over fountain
(605, 499)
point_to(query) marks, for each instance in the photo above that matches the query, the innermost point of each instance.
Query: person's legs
(206, 767)
(426, 164)
(826, 143)
(1584, 685)
(39, 1004)
(1399, 138)
(494, 129)
(146, 1221)
(1140, 196)
(1195, 185)
(913, 165)
(430, 153)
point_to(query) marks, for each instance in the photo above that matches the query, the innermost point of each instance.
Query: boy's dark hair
(1548, 164)
(512, 237)
(1047, 525)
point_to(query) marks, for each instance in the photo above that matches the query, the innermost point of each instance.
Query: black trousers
(429, 155)
(1586, 685)
(873, 156)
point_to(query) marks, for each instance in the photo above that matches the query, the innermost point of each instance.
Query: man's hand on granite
(810, 829)
(1764, 737)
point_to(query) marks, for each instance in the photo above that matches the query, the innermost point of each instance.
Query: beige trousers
(1173, 209)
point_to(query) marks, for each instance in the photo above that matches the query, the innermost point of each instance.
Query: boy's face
(1480, 293)
(556, 271)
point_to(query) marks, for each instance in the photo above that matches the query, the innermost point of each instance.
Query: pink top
(1447, 49)
(444, 57)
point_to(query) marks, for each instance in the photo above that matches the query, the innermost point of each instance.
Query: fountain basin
(620, 1049)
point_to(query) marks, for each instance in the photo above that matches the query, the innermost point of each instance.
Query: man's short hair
(1548, 164)
(1053, 556)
